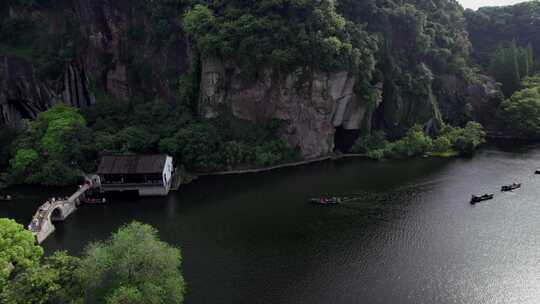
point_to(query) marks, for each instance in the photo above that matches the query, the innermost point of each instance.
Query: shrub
(376, 154)
(376, 140)
(442, 144)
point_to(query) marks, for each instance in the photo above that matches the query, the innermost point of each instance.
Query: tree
(133, 266)
(197, 146)
(508, 65)
(18, 249)
(414, 143)
(70, 287)
(464, 140)
(34, 285)
(51, 150)
(521, 112)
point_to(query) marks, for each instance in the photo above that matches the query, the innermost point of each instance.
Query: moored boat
(537, 171)
(480, 198)
(6, 197)
(511, 187)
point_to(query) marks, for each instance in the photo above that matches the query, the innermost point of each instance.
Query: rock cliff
(310, 107)
(120, 50)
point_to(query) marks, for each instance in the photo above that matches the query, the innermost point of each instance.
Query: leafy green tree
(522, 112)
(531, 82)
(286, 34)
(126, 295)
(24, 162)
(489, 26)
(52, 149)
(507, 65)
(34, 285)
(70, 287)
(197, 146)
(465, 140)
(414, 143)
(133, 265)
(18, 250)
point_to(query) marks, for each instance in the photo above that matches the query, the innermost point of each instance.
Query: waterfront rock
(462, 100)
(23, 95)
(309, 106)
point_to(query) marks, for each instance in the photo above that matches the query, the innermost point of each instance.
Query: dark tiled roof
(131, 164)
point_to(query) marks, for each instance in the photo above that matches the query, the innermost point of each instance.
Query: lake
(410, 236)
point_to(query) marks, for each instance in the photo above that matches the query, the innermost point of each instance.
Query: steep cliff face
(309, 107)
(108, 57)
(130, 49)
(461, 101)
(23, 95)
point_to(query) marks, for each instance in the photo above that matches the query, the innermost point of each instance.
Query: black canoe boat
(476, 199)
(323, 201)
(511, 187)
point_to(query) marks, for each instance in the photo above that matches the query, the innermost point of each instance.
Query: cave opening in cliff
(344, 139)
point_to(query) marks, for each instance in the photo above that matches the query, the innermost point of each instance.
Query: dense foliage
(451, 141)
(521, 112)
(419, 41)
(209, 145)
(18, 250)
(286, 34)
(52, 150)
(490, 26)
(509, 64)
(133, 266)
(25, 36)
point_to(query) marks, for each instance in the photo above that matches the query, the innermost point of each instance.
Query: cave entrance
(344, 139)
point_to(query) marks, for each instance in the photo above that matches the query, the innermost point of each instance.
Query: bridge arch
(56, 214)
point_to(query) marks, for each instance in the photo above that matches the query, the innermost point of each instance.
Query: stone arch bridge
(57, 210)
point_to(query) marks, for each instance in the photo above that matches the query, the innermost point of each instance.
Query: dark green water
(411, 238)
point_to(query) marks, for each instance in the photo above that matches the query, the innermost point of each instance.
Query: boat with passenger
(94, 200)
(480, 198)
(511, 187)
(326, 201)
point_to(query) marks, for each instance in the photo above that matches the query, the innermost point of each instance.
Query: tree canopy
(51, 150)
(18, 249)
(133, 266)
(521, 112)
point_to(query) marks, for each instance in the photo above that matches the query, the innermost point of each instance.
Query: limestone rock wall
(309, 105)
(23, 95)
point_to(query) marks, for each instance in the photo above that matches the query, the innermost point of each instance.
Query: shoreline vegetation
(104, 273)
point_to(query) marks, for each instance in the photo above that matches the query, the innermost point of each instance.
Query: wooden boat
(324, 201)
(511, 187)
(480, 198)
(5, 198)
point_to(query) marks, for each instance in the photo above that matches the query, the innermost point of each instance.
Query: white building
(149, 175)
